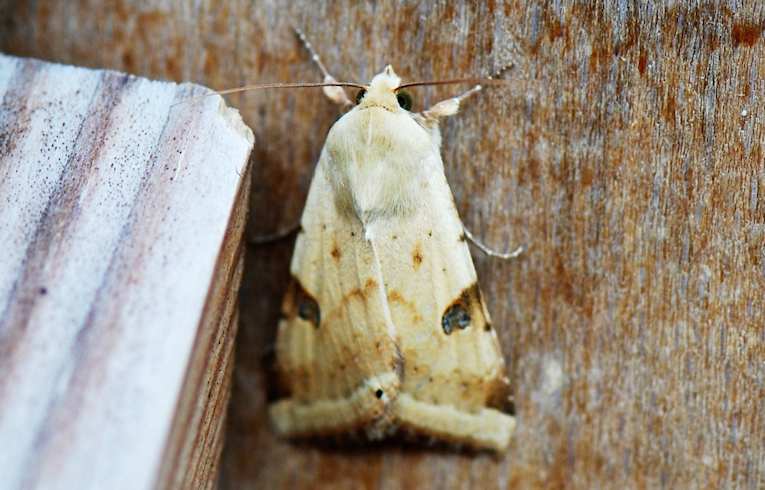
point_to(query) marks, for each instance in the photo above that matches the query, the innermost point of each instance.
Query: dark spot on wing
(379, 393)
(308, 310)
(456, 316)
(464, 310)
(299, 302)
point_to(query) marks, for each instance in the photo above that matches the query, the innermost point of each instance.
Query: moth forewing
(332, 386)
(385, 328)
(453, 366)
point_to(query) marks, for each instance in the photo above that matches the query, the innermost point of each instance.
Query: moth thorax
(378, 161)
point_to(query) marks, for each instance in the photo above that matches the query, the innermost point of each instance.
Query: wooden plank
(121, 230)
(628, 156)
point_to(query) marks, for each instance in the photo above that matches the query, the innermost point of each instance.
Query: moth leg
(448, 107)
(489, 251)
(335, 94)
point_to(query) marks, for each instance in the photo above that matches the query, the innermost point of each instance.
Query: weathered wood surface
(628, 156)
(121, 230)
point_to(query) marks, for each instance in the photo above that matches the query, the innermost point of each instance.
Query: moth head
(383, 91)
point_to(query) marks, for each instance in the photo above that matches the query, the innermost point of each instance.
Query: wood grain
(627, 155)
(122, 207)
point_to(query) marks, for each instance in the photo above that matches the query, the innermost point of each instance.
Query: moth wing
(336, 348)
(454, 384)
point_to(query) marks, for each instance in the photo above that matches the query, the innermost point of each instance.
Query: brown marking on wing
(335, 253)
(361, 293)
(417, 256)
(394, 298)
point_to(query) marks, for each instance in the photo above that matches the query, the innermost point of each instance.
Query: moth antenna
(335, 94)
(314, 55)
(289, 85)
(450, 107)
(506, 67)
(489, 80)
(491, 252)
(260, 86)
(455, 81)
(516, 55)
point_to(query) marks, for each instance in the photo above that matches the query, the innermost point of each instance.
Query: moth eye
(360, 95)
(308, 310)
(404, 100)
(456, 316)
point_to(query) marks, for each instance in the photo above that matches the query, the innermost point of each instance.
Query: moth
(384, 328)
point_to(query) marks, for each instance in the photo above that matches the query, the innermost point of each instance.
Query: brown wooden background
(628, 155)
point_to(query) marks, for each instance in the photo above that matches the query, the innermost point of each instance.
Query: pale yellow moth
(384, 328)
